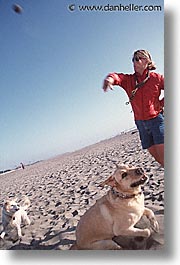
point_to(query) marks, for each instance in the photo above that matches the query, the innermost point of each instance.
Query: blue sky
(52, 65)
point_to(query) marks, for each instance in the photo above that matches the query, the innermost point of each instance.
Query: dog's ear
(7, 206)
(110, 182)
(116, 164)
(15, 199)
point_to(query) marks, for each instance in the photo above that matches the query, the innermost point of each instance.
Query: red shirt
(145, 104)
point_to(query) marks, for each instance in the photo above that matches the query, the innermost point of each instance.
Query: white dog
(13, 215)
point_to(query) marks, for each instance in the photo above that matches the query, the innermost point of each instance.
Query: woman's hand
(108, 83)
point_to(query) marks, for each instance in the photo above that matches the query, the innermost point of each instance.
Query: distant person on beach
(143, 89)
(22, 165)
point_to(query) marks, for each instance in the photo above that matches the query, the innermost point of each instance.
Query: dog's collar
(124, 196)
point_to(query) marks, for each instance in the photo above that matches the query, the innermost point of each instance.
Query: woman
(143, 89)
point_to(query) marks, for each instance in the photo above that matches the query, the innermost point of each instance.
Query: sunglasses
(137, 58)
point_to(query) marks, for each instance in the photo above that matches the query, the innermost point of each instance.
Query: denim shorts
(151, 131)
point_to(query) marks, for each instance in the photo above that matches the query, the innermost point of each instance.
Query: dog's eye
(14, 217)
(139, 171)
(124, 175)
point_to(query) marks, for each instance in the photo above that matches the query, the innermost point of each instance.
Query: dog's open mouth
(139, 182)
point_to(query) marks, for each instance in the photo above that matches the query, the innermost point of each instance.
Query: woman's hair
(145, 54)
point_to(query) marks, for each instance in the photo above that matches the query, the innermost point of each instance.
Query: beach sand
(61, 189)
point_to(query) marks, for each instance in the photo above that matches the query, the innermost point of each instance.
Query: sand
(61, 189)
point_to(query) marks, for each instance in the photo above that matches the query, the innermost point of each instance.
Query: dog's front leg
(132, 231)
(19, 232)
(3, 235)
(25, 218)
(153, 222)
(27, 221)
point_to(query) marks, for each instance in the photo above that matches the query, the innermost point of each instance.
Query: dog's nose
(139, 171)
(16, 208)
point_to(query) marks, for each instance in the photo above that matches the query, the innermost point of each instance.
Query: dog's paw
(154, 225)
(146, 232)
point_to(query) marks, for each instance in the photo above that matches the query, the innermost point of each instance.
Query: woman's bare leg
(157, 151)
